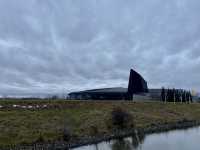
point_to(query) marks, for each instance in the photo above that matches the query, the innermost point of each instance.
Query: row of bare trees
(176, 95)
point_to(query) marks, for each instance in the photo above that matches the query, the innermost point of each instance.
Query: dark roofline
(100, 90)
(104, 89)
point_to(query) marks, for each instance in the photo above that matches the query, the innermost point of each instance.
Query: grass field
(80, 117)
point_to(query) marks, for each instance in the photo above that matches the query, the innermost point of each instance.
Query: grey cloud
(48, 46)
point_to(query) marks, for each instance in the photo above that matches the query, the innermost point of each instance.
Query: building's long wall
(152, 95)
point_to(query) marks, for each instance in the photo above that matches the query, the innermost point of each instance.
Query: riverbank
(46, 122)
(141, 132)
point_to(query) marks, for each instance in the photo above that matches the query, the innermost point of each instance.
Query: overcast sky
(51, 46)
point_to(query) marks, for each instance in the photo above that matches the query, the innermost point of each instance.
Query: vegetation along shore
(74, 123)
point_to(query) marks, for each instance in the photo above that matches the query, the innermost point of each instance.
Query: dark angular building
(137, 85)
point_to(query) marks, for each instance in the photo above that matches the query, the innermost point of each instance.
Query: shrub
(67, 134)
(121, 119)
(94, 130)
(40, 139)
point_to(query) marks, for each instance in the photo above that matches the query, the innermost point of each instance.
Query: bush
(93, 130)
(40, 139)
(121, 119)
(67, 135)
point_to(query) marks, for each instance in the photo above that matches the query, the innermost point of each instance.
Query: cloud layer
(54, 46)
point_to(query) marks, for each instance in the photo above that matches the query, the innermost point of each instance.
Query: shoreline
(156, 128)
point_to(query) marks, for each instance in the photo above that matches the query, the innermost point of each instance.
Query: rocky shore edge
(153, 128)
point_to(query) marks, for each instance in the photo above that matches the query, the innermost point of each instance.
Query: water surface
(174, 140)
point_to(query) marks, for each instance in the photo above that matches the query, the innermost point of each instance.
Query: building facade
(137, 85)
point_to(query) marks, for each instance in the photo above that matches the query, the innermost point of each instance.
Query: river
(188, 139)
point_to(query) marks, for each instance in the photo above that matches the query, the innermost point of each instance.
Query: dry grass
(81, 117)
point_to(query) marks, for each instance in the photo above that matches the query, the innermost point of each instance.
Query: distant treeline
(176, 95)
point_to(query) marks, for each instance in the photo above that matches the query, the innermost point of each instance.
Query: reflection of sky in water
(174, 140)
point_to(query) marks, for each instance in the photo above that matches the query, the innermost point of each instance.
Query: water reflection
(131, 143)
(173, 140)
(137, 140)
(121, 144)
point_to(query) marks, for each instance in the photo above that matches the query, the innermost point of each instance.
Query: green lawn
(80, 117)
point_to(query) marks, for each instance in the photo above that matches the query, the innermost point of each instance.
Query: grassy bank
(81, 118)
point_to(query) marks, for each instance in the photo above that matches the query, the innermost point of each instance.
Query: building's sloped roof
(153, 94)
(115, 89)
(105, 90)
